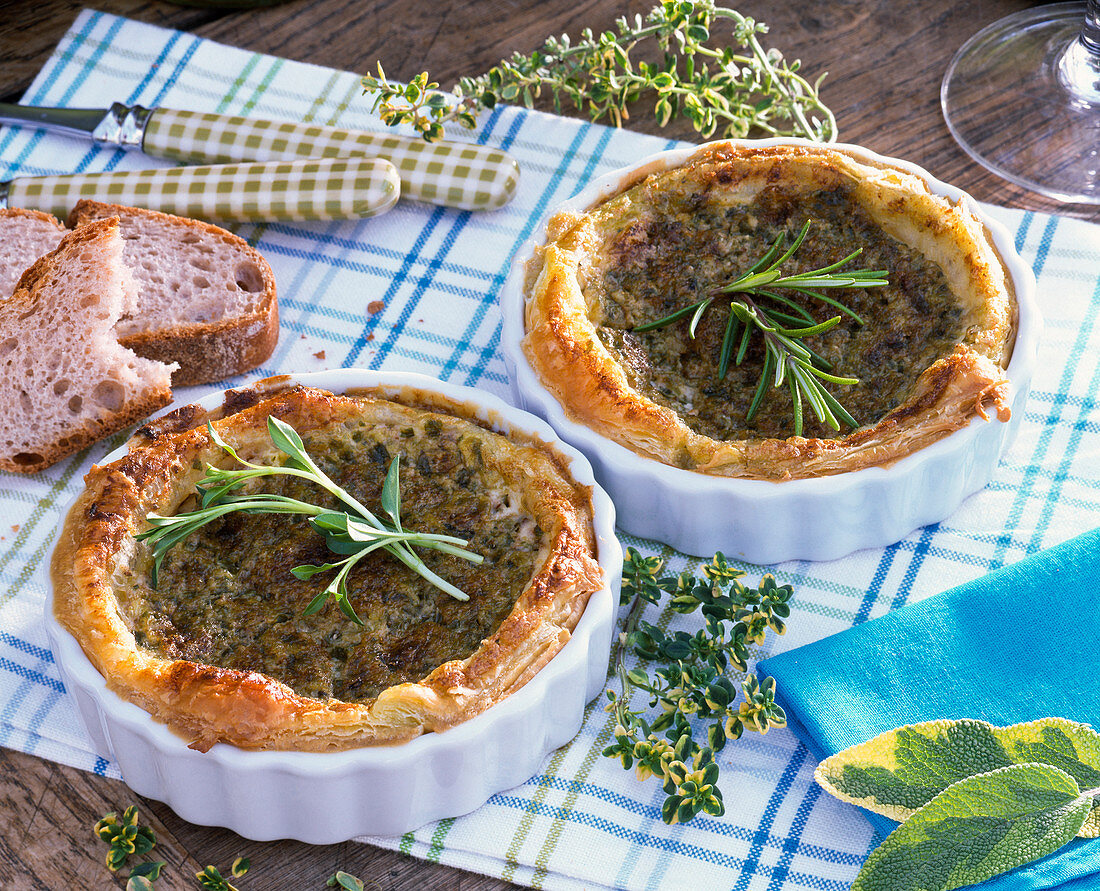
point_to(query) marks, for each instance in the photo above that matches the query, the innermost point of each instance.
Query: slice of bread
(25, 235)
(67, 381)
(206, 297)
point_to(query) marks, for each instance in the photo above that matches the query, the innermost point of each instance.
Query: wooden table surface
(885, 60)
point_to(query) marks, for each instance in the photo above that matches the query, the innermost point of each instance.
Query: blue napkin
(1018, 644)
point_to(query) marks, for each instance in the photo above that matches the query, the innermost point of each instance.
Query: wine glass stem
(1090, 31)
(1079, 67)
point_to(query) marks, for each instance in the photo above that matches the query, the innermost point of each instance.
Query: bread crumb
(320, 354)
(375, 307)
(14, 527)
(370, 337)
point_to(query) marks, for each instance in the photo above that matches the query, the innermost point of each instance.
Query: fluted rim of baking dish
(786, 515)
(305, 795)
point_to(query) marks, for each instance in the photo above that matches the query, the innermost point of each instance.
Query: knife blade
(323, 189)
(461, 175)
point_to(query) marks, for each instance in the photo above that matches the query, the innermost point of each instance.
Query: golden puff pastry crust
(219, 649)
(669, 235)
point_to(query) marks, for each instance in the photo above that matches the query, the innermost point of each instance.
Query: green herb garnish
(345, 880)
(143, 876)
(211, 879)
(784, 325)
(691, 681)
(124, 836)
(976, 800)
(353, 533)
(730, 90)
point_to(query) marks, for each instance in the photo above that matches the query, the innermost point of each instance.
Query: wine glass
(1022, 97)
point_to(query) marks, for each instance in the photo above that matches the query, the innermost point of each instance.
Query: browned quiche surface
(930, 356)
(219, 647)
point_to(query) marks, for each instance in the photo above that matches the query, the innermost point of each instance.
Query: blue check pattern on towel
(416, 290)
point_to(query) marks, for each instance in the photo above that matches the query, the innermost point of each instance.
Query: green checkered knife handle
(323, 189)
(454, 174)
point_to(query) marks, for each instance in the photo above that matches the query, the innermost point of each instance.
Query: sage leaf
(977, 828)
(901, 770)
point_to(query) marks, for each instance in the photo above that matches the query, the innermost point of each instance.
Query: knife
(454, 174)
(323, 189)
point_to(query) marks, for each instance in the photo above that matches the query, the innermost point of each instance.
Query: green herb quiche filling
(234, 615)
(225, 596)
(689, 241)
(611, 295)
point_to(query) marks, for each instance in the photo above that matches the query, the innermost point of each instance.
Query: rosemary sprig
(784, 324)
(728, 90)
(691, 682)
(351, 534)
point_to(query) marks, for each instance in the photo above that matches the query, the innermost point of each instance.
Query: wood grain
(885, 60)
(47, 812)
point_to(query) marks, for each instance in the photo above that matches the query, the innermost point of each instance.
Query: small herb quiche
(930, 355)
(220, 649)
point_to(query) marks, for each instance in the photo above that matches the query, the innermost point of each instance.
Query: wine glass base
(1022, 98)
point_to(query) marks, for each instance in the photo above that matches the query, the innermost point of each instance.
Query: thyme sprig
(784, 325)
(125, 837)
(352, 534)
(345, 880)
(211, 879)
(691, 683)
(729, 90)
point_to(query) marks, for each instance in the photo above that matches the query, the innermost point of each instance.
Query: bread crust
(205, 351)
(563, 347)
(213, 351)
(208, 704)
(36, 215)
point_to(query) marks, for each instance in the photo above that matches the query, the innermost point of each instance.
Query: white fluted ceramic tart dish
(276, 724)
(943, 353)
